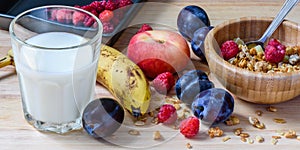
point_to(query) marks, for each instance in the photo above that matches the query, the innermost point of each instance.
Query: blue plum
(191, 84)
(213, 106)
(197, 42)
(191, 18)
(102, 117)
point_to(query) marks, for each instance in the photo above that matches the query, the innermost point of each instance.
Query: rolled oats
(215, 132)
(279, 120)
(156, 135)
(134, 132)
(259, 139)
(226, 138)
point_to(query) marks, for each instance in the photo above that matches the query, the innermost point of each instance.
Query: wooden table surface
(16, 133)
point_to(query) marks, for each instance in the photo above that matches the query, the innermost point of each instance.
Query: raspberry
(97, 5)
(163, 82)
(78, 18)
(229, 49)
(108, 27)
(88, 21)
(274, 42)
(274, 55)
(167, 114)
(110, 5)
(124, 3)
(190, 127)
(106, 15)
(145, 27)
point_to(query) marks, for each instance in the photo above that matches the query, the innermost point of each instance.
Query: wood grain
(16, 133)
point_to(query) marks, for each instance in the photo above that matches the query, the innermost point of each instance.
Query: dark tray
(18, 6)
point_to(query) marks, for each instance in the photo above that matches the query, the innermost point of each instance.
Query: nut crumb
(232, 120)
(189, 146)
(156, 135)
(279, 120)
(238, 131)
(226, 138)
(274, 141)
(259, 139)
(290, 134)
(276, 137)
(134, 132)
(271, 109)
(258, 113)
(215, 132)
(249, 140)
(244, 135)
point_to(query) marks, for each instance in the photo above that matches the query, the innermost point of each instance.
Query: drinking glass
(56, 50)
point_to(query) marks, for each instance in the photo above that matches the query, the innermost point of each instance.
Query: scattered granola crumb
(259, 139)
(291, 134)
(238, 131)
(274, 141)
(189, 146)
(226, 138)
(134, 132)
(276, 137)
(249, 140)
(156, 135)
(232, 120)
(279, 120)
(271, 109)
(139, 123)
(215, 132)
(258, 113)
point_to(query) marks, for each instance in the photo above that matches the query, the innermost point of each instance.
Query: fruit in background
(167, 114)
(102, 117)
(191, 18)
(163, 82)
(197, 42)
(106, 15)
(189, 127)
(124, 79)
(159, 51)
(213, 106)
(229, 49)
(189, 85)
(145, 27)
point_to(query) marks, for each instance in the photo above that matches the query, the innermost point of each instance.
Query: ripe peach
(159, 51)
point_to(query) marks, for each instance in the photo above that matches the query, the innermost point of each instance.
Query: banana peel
(122, 77)
(125, 80)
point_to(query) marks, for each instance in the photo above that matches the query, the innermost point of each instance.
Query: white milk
(56, 84)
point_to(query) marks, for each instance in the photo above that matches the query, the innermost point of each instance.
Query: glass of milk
(56, 51)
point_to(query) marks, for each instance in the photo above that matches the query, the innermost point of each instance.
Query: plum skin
(213, 106)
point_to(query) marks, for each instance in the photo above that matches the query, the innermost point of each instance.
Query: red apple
(159, 51)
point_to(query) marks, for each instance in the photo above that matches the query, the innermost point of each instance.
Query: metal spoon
(286, 8)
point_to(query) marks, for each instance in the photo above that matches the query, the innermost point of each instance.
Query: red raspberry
(190, 127)
(106, 15)
(97, 5)
(164, 82)
(123, 3)
(145, 27)
(88, 21)
(167, 114)
(87, 8)
(110, 5)
(108, 27)
(274, 42)
(229, 49)
(274, 55)
(78, 18)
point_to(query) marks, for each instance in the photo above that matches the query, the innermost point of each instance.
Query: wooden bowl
(256, 87)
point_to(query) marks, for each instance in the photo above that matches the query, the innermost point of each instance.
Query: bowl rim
(210, 52)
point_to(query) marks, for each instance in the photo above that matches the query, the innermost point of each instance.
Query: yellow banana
(124, 79)
(7, 60)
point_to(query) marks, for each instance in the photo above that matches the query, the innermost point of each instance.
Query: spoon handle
(286, 8)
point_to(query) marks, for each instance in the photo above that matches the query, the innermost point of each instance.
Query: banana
(124, 79)
(7, 60)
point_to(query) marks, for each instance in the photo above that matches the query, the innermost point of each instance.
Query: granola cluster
(253, 58)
